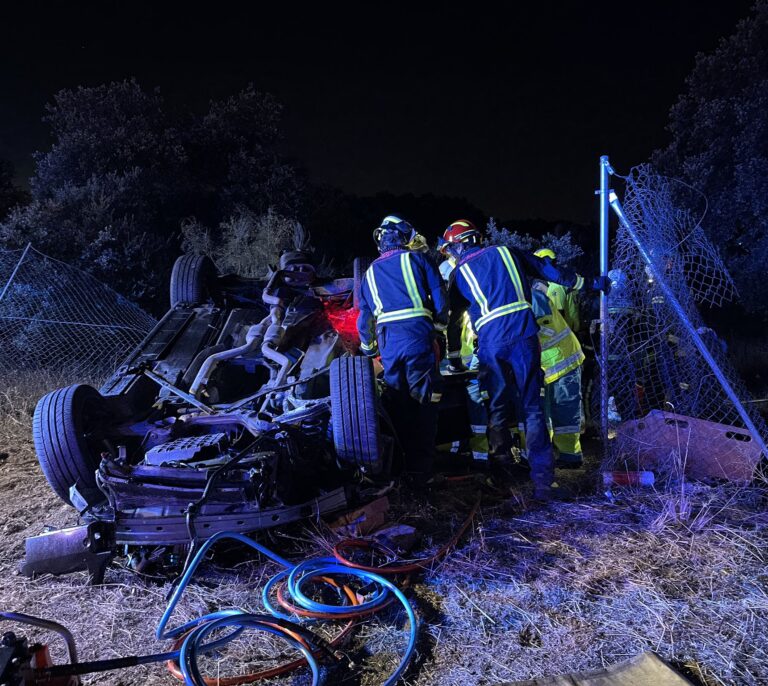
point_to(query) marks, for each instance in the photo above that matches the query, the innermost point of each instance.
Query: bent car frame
(244, 408)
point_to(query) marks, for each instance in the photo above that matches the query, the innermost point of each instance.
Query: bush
(564, 246)
(245, 244)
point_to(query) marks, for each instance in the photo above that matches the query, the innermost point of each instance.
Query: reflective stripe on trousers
(563, 406)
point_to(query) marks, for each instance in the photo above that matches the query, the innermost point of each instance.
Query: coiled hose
(294, 578)
(288, 585)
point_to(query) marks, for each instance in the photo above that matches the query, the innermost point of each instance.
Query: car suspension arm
(177, 391)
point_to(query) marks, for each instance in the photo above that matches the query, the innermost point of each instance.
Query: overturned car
(243, 409)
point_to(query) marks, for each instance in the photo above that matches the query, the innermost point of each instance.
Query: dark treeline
(129, 180)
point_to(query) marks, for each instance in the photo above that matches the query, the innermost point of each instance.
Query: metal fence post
(605, 171)
(685, 321)
(15, 271)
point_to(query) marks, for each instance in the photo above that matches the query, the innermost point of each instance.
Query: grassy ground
(529, 592)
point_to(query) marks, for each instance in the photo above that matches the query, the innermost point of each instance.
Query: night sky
(510, 109)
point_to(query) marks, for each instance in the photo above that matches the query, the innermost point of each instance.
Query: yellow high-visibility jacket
(565, 301)
(560, 349)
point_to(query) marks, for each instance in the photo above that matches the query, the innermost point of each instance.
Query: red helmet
(461, 231)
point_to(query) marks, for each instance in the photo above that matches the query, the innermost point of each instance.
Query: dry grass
(569, 587)
(579, 586)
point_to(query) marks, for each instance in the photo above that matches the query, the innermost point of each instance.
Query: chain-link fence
(665, 272)
(56, 317)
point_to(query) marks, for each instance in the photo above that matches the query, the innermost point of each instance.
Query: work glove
(373, 352)
(602, 283)
(455, 364)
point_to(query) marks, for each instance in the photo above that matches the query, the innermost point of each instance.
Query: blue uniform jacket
(401, 286)
(491, 283)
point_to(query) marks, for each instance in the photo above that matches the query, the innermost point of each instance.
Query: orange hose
(367, 544)
(301, 612)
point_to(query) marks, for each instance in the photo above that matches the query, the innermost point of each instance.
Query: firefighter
(561, 393)
(489, 282)
(418, 244)
(564, 300)
(561, 360)
(477, 398)
(403, 316)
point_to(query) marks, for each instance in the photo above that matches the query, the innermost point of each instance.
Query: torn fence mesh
(654, 365)
(56, 317)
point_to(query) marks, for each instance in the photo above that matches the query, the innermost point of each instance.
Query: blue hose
(325, 565)
(191, 647)
(161, 633)
(296, 575)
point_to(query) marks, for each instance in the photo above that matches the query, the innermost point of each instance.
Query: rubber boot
(554, 491)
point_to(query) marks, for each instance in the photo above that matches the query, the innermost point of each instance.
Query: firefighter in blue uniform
(490, 283)
(403, 316)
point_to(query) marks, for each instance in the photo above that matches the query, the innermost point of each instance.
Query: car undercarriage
(245, 408)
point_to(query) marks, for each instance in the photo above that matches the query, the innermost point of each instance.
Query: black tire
(191, 279)
(359, 267)
(354, 414)
(59, 427)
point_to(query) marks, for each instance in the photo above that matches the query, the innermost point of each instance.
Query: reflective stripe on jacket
(489, 283)
(489, 305)
(565, 301)
(416, 309)
(560, 349)
(400, 285)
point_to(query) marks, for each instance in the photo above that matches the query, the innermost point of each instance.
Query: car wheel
(359, 267)
(65, 427)
(191, 279)
(354, 414)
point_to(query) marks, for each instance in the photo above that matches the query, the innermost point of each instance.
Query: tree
(235, 152)
(106, 194)
(123, 172)
(10, 194)
(719, 144)
(567, 250)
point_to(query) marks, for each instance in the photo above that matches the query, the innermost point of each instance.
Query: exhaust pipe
(253, 338)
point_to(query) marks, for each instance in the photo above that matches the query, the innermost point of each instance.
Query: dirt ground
(528, 592)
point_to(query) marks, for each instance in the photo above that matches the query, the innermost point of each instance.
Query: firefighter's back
(500, 299)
